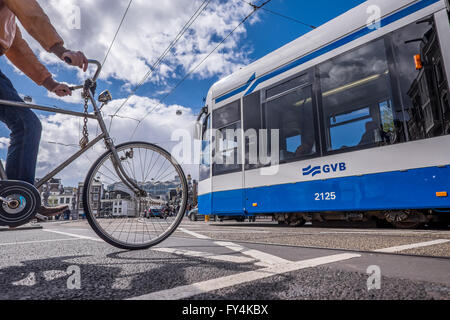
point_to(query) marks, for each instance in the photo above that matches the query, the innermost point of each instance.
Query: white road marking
(194, 234)
(267, 259)
(29, 281)
(412, 246)
(226, 258)
(51, 275)
(74, 235)
(36, 241)
(198, 254)
(191, 290)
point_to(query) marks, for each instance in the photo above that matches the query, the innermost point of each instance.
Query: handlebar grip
(76, 88)
(96, 75)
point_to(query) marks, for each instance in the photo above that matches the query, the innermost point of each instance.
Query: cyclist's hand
(62, 90)
(76, 59)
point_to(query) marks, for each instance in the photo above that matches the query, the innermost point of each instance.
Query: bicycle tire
(92, 220)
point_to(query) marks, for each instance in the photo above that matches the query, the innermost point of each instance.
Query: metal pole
(69, 161)
(46, 109)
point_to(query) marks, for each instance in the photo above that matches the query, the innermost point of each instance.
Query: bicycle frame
(97, 115)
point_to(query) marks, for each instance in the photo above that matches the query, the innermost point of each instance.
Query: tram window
(226, 115)
(226, 139)
(423, 92)
(227, 150)
(252, 125)
(292, 114)
(357, 99)
(205, 165)
(290, 84)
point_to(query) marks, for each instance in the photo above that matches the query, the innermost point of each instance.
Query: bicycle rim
(124, 219)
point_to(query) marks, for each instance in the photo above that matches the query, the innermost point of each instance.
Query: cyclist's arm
(37, 23)
(21, 55)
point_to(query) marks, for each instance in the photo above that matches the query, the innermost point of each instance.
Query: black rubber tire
(298, 223)
(407, 225)
(33, 202)
(98, 230)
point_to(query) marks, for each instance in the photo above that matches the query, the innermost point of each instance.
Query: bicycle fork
(130, 183)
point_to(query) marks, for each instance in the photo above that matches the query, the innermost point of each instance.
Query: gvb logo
(326, 169)
(312, 171)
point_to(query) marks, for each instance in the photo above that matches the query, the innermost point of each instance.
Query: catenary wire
(282, 15)
(255, 9)
(183, 30)
(117, 32)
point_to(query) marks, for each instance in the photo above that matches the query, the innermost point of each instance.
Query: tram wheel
(405, 219)
(407, 225)
(297, 223)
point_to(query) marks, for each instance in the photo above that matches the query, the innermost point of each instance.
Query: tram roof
(329, 32)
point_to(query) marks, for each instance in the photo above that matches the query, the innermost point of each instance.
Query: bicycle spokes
(129, 218)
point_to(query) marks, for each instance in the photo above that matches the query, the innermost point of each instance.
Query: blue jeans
(25, 135)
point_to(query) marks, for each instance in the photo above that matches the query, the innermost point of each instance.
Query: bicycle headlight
(105, 97)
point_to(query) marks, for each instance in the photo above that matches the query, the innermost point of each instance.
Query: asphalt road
(210, 261)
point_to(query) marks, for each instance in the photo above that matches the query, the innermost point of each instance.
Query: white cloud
(149, 28)
(156, 128)
(147, 31)
(4, 143)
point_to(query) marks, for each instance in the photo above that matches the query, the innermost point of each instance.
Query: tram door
(438, 83)
(429, 89)
(227, 181)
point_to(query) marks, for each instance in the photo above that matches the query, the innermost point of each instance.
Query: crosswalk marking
(412, 246)
(187, 291)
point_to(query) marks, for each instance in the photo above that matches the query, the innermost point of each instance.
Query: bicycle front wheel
(127, 220)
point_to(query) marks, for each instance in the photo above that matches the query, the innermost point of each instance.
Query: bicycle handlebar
(96, 75)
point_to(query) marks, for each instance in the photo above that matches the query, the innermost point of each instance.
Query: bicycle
(118, 188)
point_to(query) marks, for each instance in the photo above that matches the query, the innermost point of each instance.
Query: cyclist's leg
(25, 135)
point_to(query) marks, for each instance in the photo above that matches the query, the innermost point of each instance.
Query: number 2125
(327, 196)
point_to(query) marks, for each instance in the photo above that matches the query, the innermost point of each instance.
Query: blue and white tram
(363, 119)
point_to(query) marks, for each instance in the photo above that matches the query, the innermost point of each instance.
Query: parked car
(155, 213)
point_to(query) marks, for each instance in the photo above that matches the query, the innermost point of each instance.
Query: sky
(148, 29)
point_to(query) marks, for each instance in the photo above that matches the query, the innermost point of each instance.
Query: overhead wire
(158, 62)
(282, 15)
(117, 32)
(255, 9)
